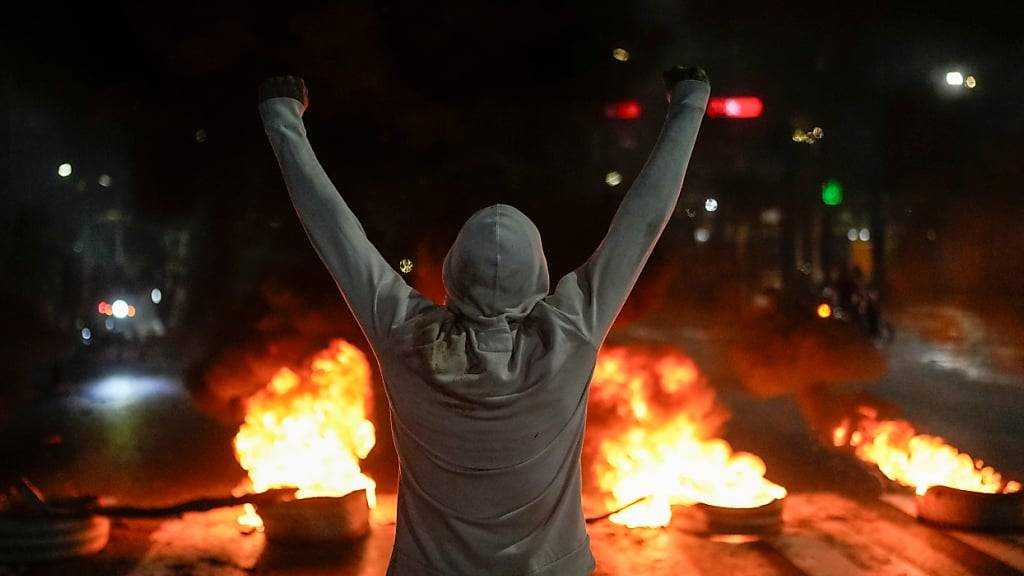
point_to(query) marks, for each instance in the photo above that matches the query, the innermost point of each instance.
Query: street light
(957, 79)
(64, 170)
(119, 309)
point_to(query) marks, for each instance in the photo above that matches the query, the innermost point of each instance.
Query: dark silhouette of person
(488, 391)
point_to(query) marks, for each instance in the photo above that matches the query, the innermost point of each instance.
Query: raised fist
(677, 74)
(285, 87)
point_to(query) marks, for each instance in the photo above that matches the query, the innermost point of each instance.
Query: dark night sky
(424, 112)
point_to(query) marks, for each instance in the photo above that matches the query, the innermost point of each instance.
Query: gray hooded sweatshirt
(488, 392)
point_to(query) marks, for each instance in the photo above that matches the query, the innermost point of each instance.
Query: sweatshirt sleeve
(377, 295)
(594, 293)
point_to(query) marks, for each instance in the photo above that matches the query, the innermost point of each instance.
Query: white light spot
(851, 234)
(86, 334)
(864, 235)
(613, 178)
(954, 78)
(711, 205)
(64, 170)
(732, 107)
(701, 235)
(156, 295)
(104, 180)
(970, 82)
(121, 389)
(119, 309)
(771, 216)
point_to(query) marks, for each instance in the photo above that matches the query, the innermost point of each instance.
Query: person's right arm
(595, 292)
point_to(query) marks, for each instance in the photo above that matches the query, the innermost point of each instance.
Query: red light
(101, 307)
(627, 110)
(735, 107)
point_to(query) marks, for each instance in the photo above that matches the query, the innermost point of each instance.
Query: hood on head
(496, 267)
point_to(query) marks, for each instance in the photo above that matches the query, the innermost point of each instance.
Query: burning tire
(32, 539)
(320, 520)
(760, 521)
(955, 508)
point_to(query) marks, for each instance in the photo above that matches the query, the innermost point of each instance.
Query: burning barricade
(952, 487)
(308, 429)
(652, 440)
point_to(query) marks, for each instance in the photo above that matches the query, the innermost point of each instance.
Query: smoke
(775, 355)
(825, 407)
(290, 330)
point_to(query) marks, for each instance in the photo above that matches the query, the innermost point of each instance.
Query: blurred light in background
(812, 136)
(771, 216)
(156, 295)
(64, 170)
(86, 334)
(405, 265)
(954, 78)
(126, 389)
(824, 311)
(200, 135)
(735, 107)
(702, 235)
(970, 82)
(613, 178)
(108, 323)
(851, 234)
(710, 205)
(864, 235)
(832, 193)
(119, 309)
(620, 54)
(626, 110)
(104, 180)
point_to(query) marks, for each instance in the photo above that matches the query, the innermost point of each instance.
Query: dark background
(423, 113)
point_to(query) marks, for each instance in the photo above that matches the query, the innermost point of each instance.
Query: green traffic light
(832, 193)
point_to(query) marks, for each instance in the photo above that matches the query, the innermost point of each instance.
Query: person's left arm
(377, 295)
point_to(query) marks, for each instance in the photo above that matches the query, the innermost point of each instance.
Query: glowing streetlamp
(119, 309)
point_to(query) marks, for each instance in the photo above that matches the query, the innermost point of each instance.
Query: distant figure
(488, 392)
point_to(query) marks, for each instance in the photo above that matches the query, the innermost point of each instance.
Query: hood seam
(497, 253)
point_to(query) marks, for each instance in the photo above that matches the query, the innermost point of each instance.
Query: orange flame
(664, 450)
(309, 429)
(915, 460)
